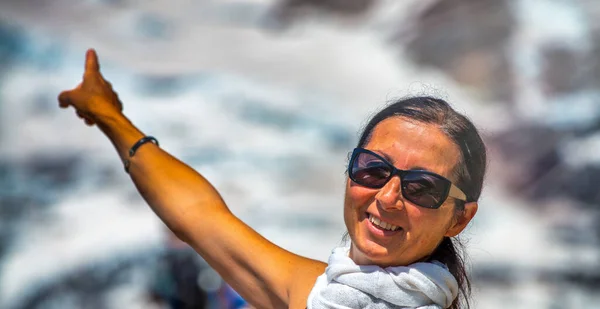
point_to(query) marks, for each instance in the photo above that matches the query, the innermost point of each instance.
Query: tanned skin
(264, 274)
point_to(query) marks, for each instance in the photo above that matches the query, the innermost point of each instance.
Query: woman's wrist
(120, 131)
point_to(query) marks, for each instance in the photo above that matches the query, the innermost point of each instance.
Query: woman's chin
(371, 253)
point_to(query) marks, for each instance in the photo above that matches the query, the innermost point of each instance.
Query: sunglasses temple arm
(457, 193)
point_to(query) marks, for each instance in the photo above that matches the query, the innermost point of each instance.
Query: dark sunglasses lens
(424, 189)
(369, 171)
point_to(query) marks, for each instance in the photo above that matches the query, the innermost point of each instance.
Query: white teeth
(376, 221)
(383, 225)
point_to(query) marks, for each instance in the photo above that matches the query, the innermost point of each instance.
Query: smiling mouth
(382, 225)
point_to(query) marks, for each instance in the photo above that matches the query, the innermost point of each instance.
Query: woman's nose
(389, 196)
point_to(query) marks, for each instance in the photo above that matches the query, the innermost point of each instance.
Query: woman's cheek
(359, 197)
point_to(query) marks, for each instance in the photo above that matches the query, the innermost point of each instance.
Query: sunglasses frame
(451, 190)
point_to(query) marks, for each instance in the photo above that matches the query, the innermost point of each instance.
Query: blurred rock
(162, 85)
(561, 70)
(56, 172)
(18, 200)
(334, 6)
(498, 275)
(523, 162)
(580, 184)
(592, 62)
(288, 11)
(89, 286)
(588, 279)
(507, 276)
(108, 2)
(536, 170)
(28, 187)
(93, 285)
(468, 40)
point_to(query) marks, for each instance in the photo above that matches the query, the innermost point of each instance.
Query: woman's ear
(462, 219)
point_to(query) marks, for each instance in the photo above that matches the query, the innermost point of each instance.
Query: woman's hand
(94, 97)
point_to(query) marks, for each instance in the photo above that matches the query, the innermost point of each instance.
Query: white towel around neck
(345, 285)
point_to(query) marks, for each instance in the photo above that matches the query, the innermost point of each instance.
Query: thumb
(63, 99)
(75, 97)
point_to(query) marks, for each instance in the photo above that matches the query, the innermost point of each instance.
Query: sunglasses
(423, 188)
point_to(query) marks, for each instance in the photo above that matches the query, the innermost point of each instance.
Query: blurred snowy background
(266, 98)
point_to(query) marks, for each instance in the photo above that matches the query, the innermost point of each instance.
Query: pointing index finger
(91, 61)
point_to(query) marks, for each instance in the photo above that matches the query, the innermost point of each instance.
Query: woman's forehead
(411, 144)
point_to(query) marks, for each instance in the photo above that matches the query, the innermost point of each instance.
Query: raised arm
(263, 273)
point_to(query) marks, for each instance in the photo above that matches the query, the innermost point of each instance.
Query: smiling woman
(413, 183)
(392, 221)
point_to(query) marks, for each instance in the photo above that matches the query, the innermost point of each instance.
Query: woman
(413, 183)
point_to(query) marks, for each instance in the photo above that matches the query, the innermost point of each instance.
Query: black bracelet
(135, 147)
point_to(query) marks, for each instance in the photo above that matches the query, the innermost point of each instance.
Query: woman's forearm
(178, 194)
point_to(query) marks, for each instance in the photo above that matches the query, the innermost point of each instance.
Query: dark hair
(469, 171)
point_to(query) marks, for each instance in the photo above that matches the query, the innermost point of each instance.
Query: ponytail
(450, 252)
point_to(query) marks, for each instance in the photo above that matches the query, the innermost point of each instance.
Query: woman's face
(408, 145)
